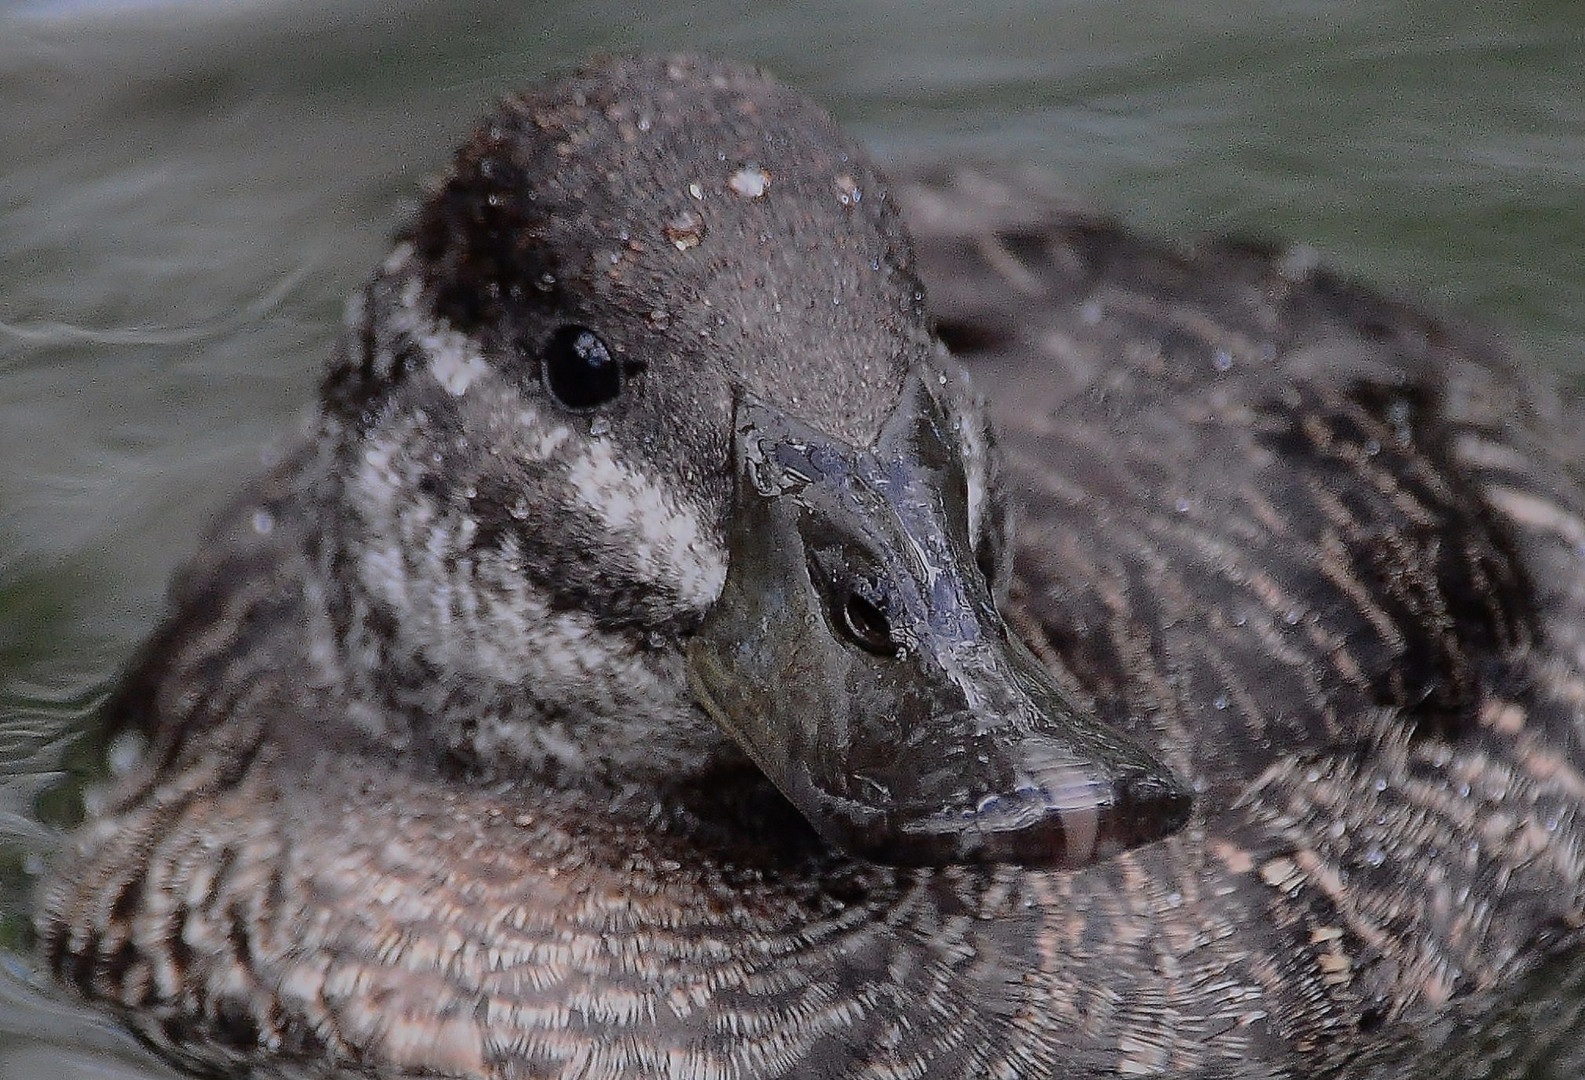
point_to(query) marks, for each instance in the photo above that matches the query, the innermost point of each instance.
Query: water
(188, 191)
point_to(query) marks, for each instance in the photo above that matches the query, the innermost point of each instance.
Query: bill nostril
(866, 625)
(985, 561)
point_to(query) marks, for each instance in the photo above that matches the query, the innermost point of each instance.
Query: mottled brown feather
(1320, 549)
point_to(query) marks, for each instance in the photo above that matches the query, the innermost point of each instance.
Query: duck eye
(578, 369)
(866, 625)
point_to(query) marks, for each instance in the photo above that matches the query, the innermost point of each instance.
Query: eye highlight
(578, 370)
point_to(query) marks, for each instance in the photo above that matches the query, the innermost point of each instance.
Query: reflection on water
(187, 193)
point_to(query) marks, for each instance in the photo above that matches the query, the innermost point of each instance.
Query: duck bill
(856, 655)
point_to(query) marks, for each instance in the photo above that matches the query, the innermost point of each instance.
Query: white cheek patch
(547, 440)
(453, 360)
(667, 540)
(381, 495)
(397, 260)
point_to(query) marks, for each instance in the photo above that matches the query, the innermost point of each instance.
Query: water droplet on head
(686, 230)
(749, 182)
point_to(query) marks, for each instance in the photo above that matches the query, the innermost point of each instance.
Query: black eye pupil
(578, 369)
(866, 624)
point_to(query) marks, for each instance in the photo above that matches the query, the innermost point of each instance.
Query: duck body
(426, 796)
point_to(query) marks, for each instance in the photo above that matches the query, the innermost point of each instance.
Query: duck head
(644, 414)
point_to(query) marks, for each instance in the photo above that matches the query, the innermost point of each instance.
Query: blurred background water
(188, 190)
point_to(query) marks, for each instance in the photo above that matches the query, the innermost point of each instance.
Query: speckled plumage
(426, 793)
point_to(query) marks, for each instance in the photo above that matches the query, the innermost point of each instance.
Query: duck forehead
(702, 218)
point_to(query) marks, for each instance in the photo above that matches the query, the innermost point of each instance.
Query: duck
(735, 615)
